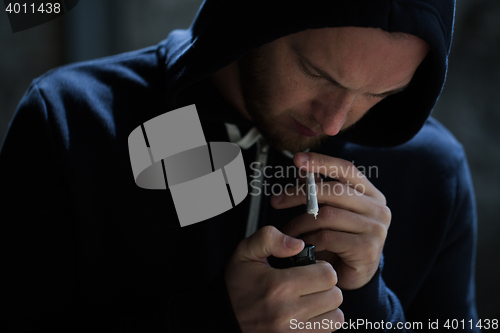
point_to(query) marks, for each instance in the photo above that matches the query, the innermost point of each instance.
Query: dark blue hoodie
(85, 249)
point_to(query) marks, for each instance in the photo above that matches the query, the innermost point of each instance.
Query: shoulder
(101, 94)
(431, 167)
(433, 151)
(436, 155)
(435, 142)
(137, 68)
(433, 154)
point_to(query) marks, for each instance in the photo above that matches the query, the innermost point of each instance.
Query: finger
(350, 200)
(331, 218)
(317, 304)
(301, 176)
(309, 279)
(345, 244)
(265, 242)
(340, 169)
(334, 318)
(333, 194)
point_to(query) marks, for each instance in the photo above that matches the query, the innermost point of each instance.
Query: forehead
(362, 55)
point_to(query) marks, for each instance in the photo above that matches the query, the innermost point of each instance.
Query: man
(351, 81)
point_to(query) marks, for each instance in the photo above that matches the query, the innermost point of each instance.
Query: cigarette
(312, 197)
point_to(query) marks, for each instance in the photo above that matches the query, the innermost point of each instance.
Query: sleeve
(447, 296)
(448, 293)
(38, 270)
(373, 307)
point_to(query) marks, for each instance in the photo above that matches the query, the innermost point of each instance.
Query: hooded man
(338, 84)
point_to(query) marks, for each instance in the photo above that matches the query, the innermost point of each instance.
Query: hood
(225, 30)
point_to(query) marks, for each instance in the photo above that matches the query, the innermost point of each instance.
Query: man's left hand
(352, 223)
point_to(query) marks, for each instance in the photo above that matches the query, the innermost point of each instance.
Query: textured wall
(24, 56)
(469, 105)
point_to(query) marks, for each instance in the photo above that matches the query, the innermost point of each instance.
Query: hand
(352, 223)
(266, 299)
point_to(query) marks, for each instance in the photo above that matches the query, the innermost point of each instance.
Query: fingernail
(302, 157)
(292, 243)
(276, 199)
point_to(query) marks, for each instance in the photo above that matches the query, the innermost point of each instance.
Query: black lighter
(305, 257)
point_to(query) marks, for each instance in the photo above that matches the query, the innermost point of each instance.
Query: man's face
(304, 87)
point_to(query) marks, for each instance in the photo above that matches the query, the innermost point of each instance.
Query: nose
(330, 110)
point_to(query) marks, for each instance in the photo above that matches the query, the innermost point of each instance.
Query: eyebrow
(327, 76)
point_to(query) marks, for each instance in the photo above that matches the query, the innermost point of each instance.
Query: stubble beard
(254, 83)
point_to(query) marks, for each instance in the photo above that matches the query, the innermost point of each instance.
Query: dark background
(469, 105)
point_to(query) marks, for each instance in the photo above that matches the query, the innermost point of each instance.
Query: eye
(308, 73)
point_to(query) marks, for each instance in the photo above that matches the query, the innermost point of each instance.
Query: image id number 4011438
(482, 324)
(32, 8)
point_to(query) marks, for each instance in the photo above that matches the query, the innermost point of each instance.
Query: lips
(301, 129)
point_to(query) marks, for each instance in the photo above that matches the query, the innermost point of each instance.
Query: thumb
(266, 242)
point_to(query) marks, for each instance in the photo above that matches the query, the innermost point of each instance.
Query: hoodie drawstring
(253, 137)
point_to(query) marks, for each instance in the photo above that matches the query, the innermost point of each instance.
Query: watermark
(334, 171)
(364, 324)
(358, 324)
(31, 13)
(264, 180)
(297, 188)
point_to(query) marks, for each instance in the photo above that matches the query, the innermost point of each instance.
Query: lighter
(305, 257)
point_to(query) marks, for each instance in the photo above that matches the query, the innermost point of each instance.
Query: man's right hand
(266, 299)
